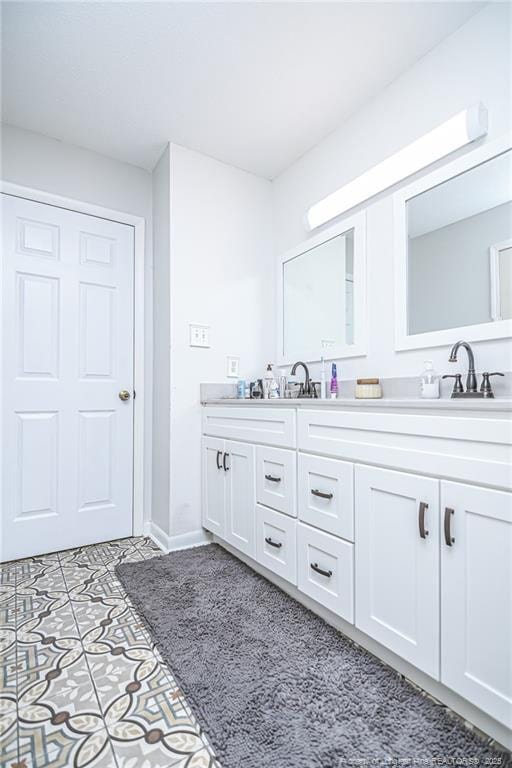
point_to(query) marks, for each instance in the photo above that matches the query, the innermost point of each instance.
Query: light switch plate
(233, 367)
(199, 335)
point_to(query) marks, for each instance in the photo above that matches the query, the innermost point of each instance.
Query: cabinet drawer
(276, 479)
(276, 543)
(326, 494)
(252, 423)
(450, 443)
(325, 568)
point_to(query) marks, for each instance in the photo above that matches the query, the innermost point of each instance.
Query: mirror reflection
(460, 249)
(318, 293)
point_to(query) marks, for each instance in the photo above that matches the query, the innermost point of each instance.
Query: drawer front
(476, 448)
(325, 570)
(326, 494)
(252, 423)
(276, 543)
(276, 479)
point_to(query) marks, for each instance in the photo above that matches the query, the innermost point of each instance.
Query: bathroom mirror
(454, 252)
(321, 290)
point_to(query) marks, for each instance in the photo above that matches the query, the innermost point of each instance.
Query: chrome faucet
(306, 390)
(471, 386)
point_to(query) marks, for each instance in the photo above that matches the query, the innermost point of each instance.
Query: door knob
(124, 394)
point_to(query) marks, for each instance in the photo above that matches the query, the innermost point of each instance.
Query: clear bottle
(270, 385)
(429, 388)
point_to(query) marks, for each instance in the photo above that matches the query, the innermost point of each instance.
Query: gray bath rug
(273, 685)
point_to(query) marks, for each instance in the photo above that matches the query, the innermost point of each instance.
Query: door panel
(97, 331)
(397, 570)
(37, 340)
(476, 607)
(240, 496)
(67, 339)
(214, 486)
(96, 438)
(37, 464)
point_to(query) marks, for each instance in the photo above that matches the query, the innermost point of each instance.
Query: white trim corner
(168, 543)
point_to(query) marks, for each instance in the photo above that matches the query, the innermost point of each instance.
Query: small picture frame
(233, 365)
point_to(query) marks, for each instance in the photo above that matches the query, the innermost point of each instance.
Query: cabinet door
(214, 486)
(476, 597)
(240, 496)
(397, 563)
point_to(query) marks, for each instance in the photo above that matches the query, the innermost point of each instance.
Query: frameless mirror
(459, 250)
(321, 294)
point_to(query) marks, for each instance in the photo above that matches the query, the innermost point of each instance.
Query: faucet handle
(457, 384)
(485, 386)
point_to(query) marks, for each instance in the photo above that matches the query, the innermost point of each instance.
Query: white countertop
(477, 404)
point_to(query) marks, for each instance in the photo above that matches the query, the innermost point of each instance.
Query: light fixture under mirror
(321, 294)
(453, 250)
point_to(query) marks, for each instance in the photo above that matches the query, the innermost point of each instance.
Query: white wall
(222, 276)
(36, 161)
(471, 65)
(161, 342)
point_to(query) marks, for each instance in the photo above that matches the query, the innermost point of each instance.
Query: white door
(67, 338)
(397, 563)
(214, 485)
(476, 596)
(240, 497)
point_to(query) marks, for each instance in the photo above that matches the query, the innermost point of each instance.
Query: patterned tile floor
(81, 682)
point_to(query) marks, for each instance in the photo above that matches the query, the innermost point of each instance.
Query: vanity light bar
(461, 129)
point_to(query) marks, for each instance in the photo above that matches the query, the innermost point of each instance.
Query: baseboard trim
(167, 543)
(156, 534)
(472, 716)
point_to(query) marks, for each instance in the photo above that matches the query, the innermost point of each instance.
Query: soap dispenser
(270, 385)
(429, 382)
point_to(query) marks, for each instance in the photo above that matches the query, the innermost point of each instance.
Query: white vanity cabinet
(476, 604)
(230, 464)
(397, 520)
(397, 563)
